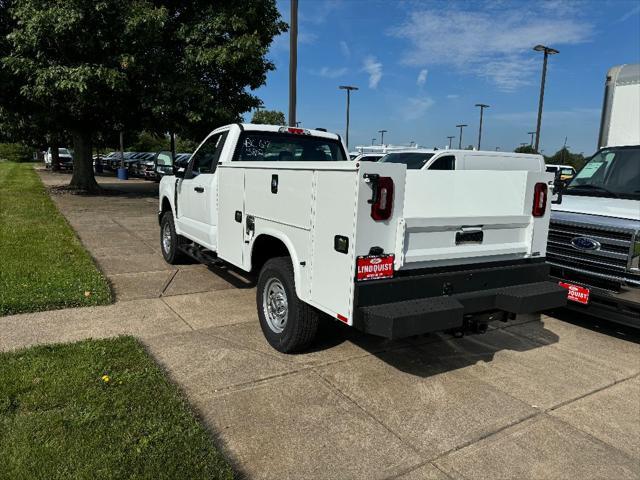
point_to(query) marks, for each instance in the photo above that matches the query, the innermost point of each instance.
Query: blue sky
(421, 66)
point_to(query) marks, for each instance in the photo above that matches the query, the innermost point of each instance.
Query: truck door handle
(199, 189)
(274, 183)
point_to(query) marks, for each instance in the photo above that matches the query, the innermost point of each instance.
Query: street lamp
(348, 88)
(482, 107)
(293, 62)
(373, 140)
(382, 132)
(450, 138)
(461, 126)
(298, 123)
(547, 51)
(532, 134)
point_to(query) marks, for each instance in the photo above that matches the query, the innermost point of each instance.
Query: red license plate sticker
(374, 267)
(576, 293)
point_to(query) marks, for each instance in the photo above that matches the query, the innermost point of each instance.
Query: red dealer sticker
(374, 267)
(576, 293)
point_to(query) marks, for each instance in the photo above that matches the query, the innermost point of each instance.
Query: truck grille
(610, 260)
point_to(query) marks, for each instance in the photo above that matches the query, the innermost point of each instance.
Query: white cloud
(344, 48)
(416, 107)
(631, 13)
(495, 43)
(452, 96)
(307, 38)
(374, 69)
(332, 72)
(422, 77)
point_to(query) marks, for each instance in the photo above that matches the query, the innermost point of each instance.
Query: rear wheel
(170, 240)
(288, 323)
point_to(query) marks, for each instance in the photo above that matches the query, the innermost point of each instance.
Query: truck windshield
(612, 172)
(413, 160)
(285, 147)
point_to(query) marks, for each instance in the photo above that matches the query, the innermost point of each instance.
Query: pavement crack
(177, 314)
(168, 282)
(337, 390)
(591, 392)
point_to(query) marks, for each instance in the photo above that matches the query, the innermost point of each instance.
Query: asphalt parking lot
(540, 397)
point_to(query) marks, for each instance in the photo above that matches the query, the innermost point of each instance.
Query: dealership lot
(535, 398)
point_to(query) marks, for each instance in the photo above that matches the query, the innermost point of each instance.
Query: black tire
(301, 324)
(171, 252)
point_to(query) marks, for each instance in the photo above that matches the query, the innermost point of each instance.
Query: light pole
(298, 124)
(547, 51)
(293, 62)
(461, 126)
(382, 132)
(532, 134)
(450, 138)
(373, 140)
(348, 88)
(482, 107)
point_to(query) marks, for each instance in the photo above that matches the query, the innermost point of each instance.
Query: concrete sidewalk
(535, 398)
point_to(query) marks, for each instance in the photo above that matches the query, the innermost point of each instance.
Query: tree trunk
(83, 178)
(55, 155)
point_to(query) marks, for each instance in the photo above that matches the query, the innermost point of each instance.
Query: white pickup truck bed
(447, 233)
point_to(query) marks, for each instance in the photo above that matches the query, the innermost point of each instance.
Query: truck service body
(387, 250)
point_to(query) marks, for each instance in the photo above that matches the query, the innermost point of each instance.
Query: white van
(428, 159)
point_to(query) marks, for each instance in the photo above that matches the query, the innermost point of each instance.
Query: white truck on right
(594, 235)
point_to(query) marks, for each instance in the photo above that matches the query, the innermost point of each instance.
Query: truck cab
(594, 237)
(390, 251)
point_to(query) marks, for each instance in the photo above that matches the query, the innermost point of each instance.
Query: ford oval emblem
(585, 243)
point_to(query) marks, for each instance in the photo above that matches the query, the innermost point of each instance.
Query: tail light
(382, 201)
(539, 200)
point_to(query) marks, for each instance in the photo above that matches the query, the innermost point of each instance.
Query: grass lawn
(60, 418)
(42, 264)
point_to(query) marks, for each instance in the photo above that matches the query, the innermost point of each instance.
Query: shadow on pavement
(436, 353)
(596, 324)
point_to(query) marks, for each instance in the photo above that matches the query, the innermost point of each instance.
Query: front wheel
(288, 323)
(169, 240)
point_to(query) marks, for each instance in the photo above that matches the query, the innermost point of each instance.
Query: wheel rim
(275, 305)
(166, 238)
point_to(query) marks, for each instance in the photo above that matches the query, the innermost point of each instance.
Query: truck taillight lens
(539, 199)
(383, 203)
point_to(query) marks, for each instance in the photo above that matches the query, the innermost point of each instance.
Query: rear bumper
(621, 307)
(417, 304)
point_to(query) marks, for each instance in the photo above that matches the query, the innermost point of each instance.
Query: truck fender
(269, 232)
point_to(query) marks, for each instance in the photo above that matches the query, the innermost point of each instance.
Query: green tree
(98, 66)
(525, 149)
(268, 117)
(565, 157)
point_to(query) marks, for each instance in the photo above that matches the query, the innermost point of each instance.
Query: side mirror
(558, 186)
(179, 171)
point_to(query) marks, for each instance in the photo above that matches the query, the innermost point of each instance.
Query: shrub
(15, 152)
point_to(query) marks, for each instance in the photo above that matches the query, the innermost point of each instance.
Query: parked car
(566, 172)
(65, 157)
(390, 251)
(368, 157)
(594, 236)
(160, 164)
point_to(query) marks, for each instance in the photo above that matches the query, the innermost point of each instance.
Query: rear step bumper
(434, 310)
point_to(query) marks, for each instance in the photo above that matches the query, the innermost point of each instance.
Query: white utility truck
(389, 251)
(594, 240)
(449, 159)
